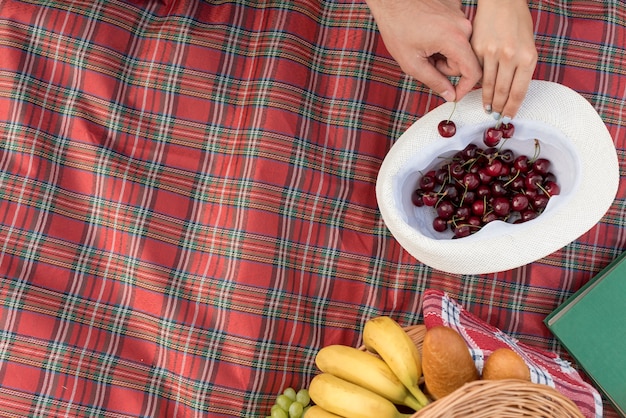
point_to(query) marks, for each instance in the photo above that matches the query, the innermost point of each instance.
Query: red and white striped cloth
(483, 339)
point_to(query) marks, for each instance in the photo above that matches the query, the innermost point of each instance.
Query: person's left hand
(503, 41)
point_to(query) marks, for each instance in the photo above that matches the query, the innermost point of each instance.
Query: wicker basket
(496, 398)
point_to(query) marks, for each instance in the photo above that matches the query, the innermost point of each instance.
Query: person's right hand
(430, 40)
(505, 46)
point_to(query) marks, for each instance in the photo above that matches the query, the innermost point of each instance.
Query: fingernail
(448, 96)
(506, 120)
(488, 109)
(496, 115)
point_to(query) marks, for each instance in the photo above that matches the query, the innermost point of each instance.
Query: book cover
(591, 325)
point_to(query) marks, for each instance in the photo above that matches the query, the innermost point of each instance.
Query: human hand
(430, 41)
(504, 44)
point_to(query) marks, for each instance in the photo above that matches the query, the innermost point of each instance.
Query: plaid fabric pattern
(187, 203)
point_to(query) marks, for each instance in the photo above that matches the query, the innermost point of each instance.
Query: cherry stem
(543, 190)
(452, 113)
(537, 151)
(514, 177)
(453, 221)
(469, 163)
(443, 195)
(463, 197)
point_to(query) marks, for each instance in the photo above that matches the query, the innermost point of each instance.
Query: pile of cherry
(478, 185)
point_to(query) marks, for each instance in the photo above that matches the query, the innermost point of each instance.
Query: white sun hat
(571, 135)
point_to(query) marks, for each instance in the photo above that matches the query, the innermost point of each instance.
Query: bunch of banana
(361, 384)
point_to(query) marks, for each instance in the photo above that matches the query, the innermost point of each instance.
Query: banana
(365, 370)
(348, 400)
(319, 412)
(384, 336)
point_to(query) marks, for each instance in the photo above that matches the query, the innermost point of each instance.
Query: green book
(591, 325)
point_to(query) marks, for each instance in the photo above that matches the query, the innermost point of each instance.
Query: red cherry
(417, 198)
(533, 180)
(549, 177)
(478, 207)
(469, 197)
(540, 201)
(462, 213)
(440, 224)
(427, 182)
(441, 175)
(450, 191)
(541, 165)
(471, 181)
(521, 164)
(445, 209)
(494, 168)
(507, 156)
(430, 198)
(492, 137)
(483, 190)
(461, 231)
(501, 206)
(519, 202)
(485, 177)
(469, 151)
(457, 171)
(446, 128)
(552, 188)
(528, 214)
(507, 130)
(498, 188)
(489, 217)
(474, 221)
(517, 183)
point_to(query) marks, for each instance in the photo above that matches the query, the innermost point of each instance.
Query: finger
(490, 71)
(502, 88)
(519, 88)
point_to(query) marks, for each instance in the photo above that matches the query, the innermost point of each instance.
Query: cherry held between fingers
(508, 129)
(493, 136)
(446, 128)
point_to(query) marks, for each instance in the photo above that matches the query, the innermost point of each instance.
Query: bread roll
(446, 362)
(505, 363)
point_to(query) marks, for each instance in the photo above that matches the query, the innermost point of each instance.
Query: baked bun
(446, 362)
(505, 363)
